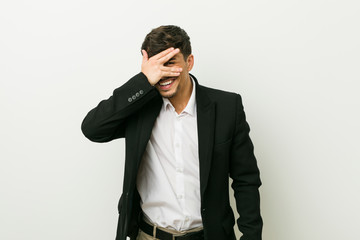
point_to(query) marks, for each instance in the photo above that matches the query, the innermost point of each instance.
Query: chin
(167, 94)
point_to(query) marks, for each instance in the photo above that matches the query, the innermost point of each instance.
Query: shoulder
(220, 96)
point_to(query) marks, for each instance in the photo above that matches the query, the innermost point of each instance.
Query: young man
(183, 141)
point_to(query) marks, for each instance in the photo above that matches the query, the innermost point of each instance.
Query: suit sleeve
(246, 178)
(107, 121)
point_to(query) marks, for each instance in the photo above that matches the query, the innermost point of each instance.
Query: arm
(246, 179)
(107, 121)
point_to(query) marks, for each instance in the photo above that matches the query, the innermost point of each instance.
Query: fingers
(169, 55)
(163, 53)
(170, 69)
(170, 74)
(173, 71)
(163, 56)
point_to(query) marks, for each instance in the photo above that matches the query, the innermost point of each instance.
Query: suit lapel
(206, 128)
(147, 119)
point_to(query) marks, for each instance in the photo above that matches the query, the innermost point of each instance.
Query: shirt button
(177, 145)
(179, 170)
(137, 94)
(141, 91)
(134, 97)
(187, 218)
(180, 196)
(129, 99)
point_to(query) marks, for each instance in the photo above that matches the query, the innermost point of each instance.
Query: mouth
(166, 83)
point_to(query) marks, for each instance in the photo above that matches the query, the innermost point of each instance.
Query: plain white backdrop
(295, 63)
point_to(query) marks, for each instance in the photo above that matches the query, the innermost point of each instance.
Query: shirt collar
(191, 105)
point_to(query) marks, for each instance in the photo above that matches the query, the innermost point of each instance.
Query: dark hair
(164, 37)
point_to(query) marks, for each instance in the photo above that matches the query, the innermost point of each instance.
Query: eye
(169, 63)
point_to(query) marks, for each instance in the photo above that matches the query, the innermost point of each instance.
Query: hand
(154, 68)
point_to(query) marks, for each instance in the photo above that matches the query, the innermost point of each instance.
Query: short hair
(164, 37)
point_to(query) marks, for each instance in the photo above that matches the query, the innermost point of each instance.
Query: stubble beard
(171, 95)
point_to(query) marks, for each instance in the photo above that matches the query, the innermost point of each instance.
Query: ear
(190, 62)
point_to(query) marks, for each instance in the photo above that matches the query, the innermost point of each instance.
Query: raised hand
(154, 68)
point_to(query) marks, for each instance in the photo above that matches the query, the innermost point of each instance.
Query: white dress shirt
(168, 180)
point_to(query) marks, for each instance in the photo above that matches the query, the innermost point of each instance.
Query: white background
(295, 63)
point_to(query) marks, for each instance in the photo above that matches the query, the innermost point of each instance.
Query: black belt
(162, 235)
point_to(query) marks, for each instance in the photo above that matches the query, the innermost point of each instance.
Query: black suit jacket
(225, 149)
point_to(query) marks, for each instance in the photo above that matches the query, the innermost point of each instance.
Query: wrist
(148, 79)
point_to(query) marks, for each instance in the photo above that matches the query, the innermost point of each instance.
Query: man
(183, 141)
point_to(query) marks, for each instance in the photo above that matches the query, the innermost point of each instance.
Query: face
(170, 87)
